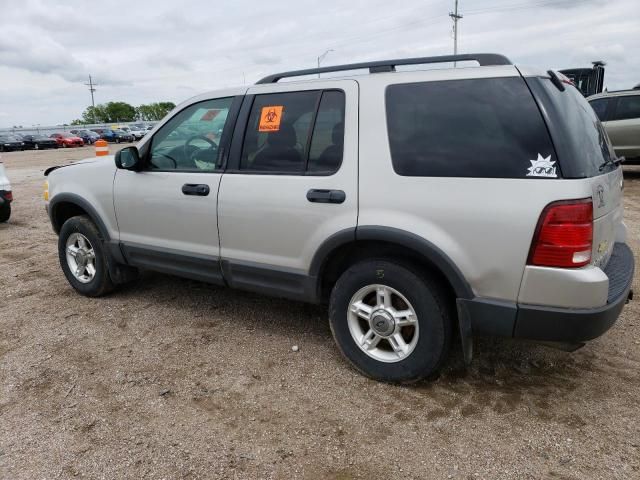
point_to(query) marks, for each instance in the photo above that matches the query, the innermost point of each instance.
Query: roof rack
(484, 59)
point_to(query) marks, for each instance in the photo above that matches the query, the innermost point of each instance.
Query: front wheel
(83, 258)
(390, 321)
(5, 212)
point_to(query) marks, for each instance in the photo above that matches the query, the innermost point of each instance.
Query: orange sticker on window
(270, 117)
(209, 115)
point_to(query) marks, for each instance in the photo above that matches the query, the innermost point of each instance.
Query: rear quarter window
(582, 145)
(466, 128)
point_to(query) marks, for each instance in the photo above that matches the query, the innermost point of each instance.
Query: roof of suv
(615, 93)
(491, 65)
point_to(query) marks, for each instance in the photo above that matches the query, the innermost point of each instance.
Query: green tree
(110, 112)
(77, 121)
(154, 111)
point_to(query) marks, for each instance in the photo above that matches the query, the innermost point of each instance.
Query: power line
(519, 6)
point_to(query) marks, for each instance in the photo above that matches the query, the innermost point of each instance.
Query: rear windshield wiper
(612, 161)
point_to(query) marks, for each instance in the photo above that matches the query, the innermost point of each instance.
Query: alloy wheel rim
(81, 257)
(383, 323)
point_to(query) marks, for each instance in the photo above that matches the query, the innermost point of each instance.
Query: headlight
(45, 194)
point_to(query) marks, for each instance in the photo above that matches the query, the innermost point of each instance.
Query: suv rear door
(291, 183)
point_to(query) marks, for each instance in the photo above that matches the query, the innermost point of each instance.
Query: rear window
(580, 139)
(468, 128)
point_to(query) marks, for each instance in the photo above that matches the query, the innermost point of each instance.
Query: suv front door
(166, 213)
(291, 184)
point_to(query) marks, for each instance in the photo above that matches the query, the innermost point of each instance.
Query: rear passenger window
(295, 133)
(627, 107)
(600, 107)
(465, 128)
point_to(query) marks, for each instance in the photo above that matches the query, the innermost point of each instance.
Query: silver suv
(619, 113)
(483, 200)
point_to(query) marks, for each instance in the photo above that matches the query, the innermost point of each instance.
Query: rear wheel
(390, 321)
(83, 258)
(5, 212)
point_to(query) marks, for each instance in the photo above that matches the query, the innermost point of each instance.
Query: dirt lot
(178, 379)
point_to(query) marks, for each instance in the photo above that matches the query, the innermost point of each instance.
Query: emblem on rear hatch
(542, 167)
(600, 192)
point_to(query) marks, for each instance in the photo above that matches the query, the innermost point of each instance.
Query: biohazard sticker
(270, 118)
(542, 167)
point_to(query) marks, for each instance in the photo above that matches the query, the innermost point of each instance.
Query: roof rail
(484, 59)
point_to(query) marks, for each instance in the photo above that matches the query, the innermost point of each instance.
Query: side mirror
(128, 159)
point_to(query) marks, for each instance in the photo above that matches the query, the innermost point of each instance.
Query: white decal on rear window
(542, 167)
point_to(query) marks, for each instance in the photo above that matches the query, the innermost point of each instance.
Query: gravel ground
(177, 379)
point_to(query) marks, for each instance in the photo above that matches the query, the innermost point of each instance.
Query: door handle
(326, 196)
(199, 189)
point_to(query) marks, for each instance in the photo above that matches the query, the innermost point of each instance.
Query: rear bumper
(551, 324)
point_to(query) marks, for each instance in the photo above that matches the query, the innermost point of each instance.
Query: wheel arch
(349, 246)
(66, 205)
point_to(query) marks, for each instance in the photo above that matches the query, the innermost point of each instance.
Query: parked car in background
(10, 143)
(38, 142)
(115, 136)
(619, 112)
(135, 133)
(86, 135)
(6, 197)
(67, 140)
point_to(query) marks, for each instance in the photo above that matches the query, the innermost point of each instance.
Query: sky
(144, 51)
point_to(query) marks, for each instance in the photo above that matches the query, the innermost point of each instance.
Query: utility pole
(92, 89)
(455, 16)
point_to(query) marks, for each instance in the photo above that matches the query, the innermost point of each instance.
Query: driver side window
(189, 141)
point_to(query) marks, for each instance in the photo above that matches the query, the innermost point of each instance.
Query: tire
(5, 212)
(432, 323)
(99, 283)
(36, 147)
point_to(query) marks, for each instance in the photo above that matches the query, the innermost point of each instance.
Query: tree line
(115, 112)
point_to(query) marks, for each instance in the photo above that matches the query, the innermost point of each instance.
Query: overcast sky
(143, 51)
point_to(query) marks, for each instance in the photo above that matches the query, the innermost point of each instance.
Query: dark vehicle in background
(588, 80)
(38, 142)
(87, 136)
(67, 140)
(115, 136)
(10, 143)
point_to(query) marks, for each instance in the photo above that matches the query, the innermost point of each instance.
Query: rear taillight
(8, 196)
(564, 235)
